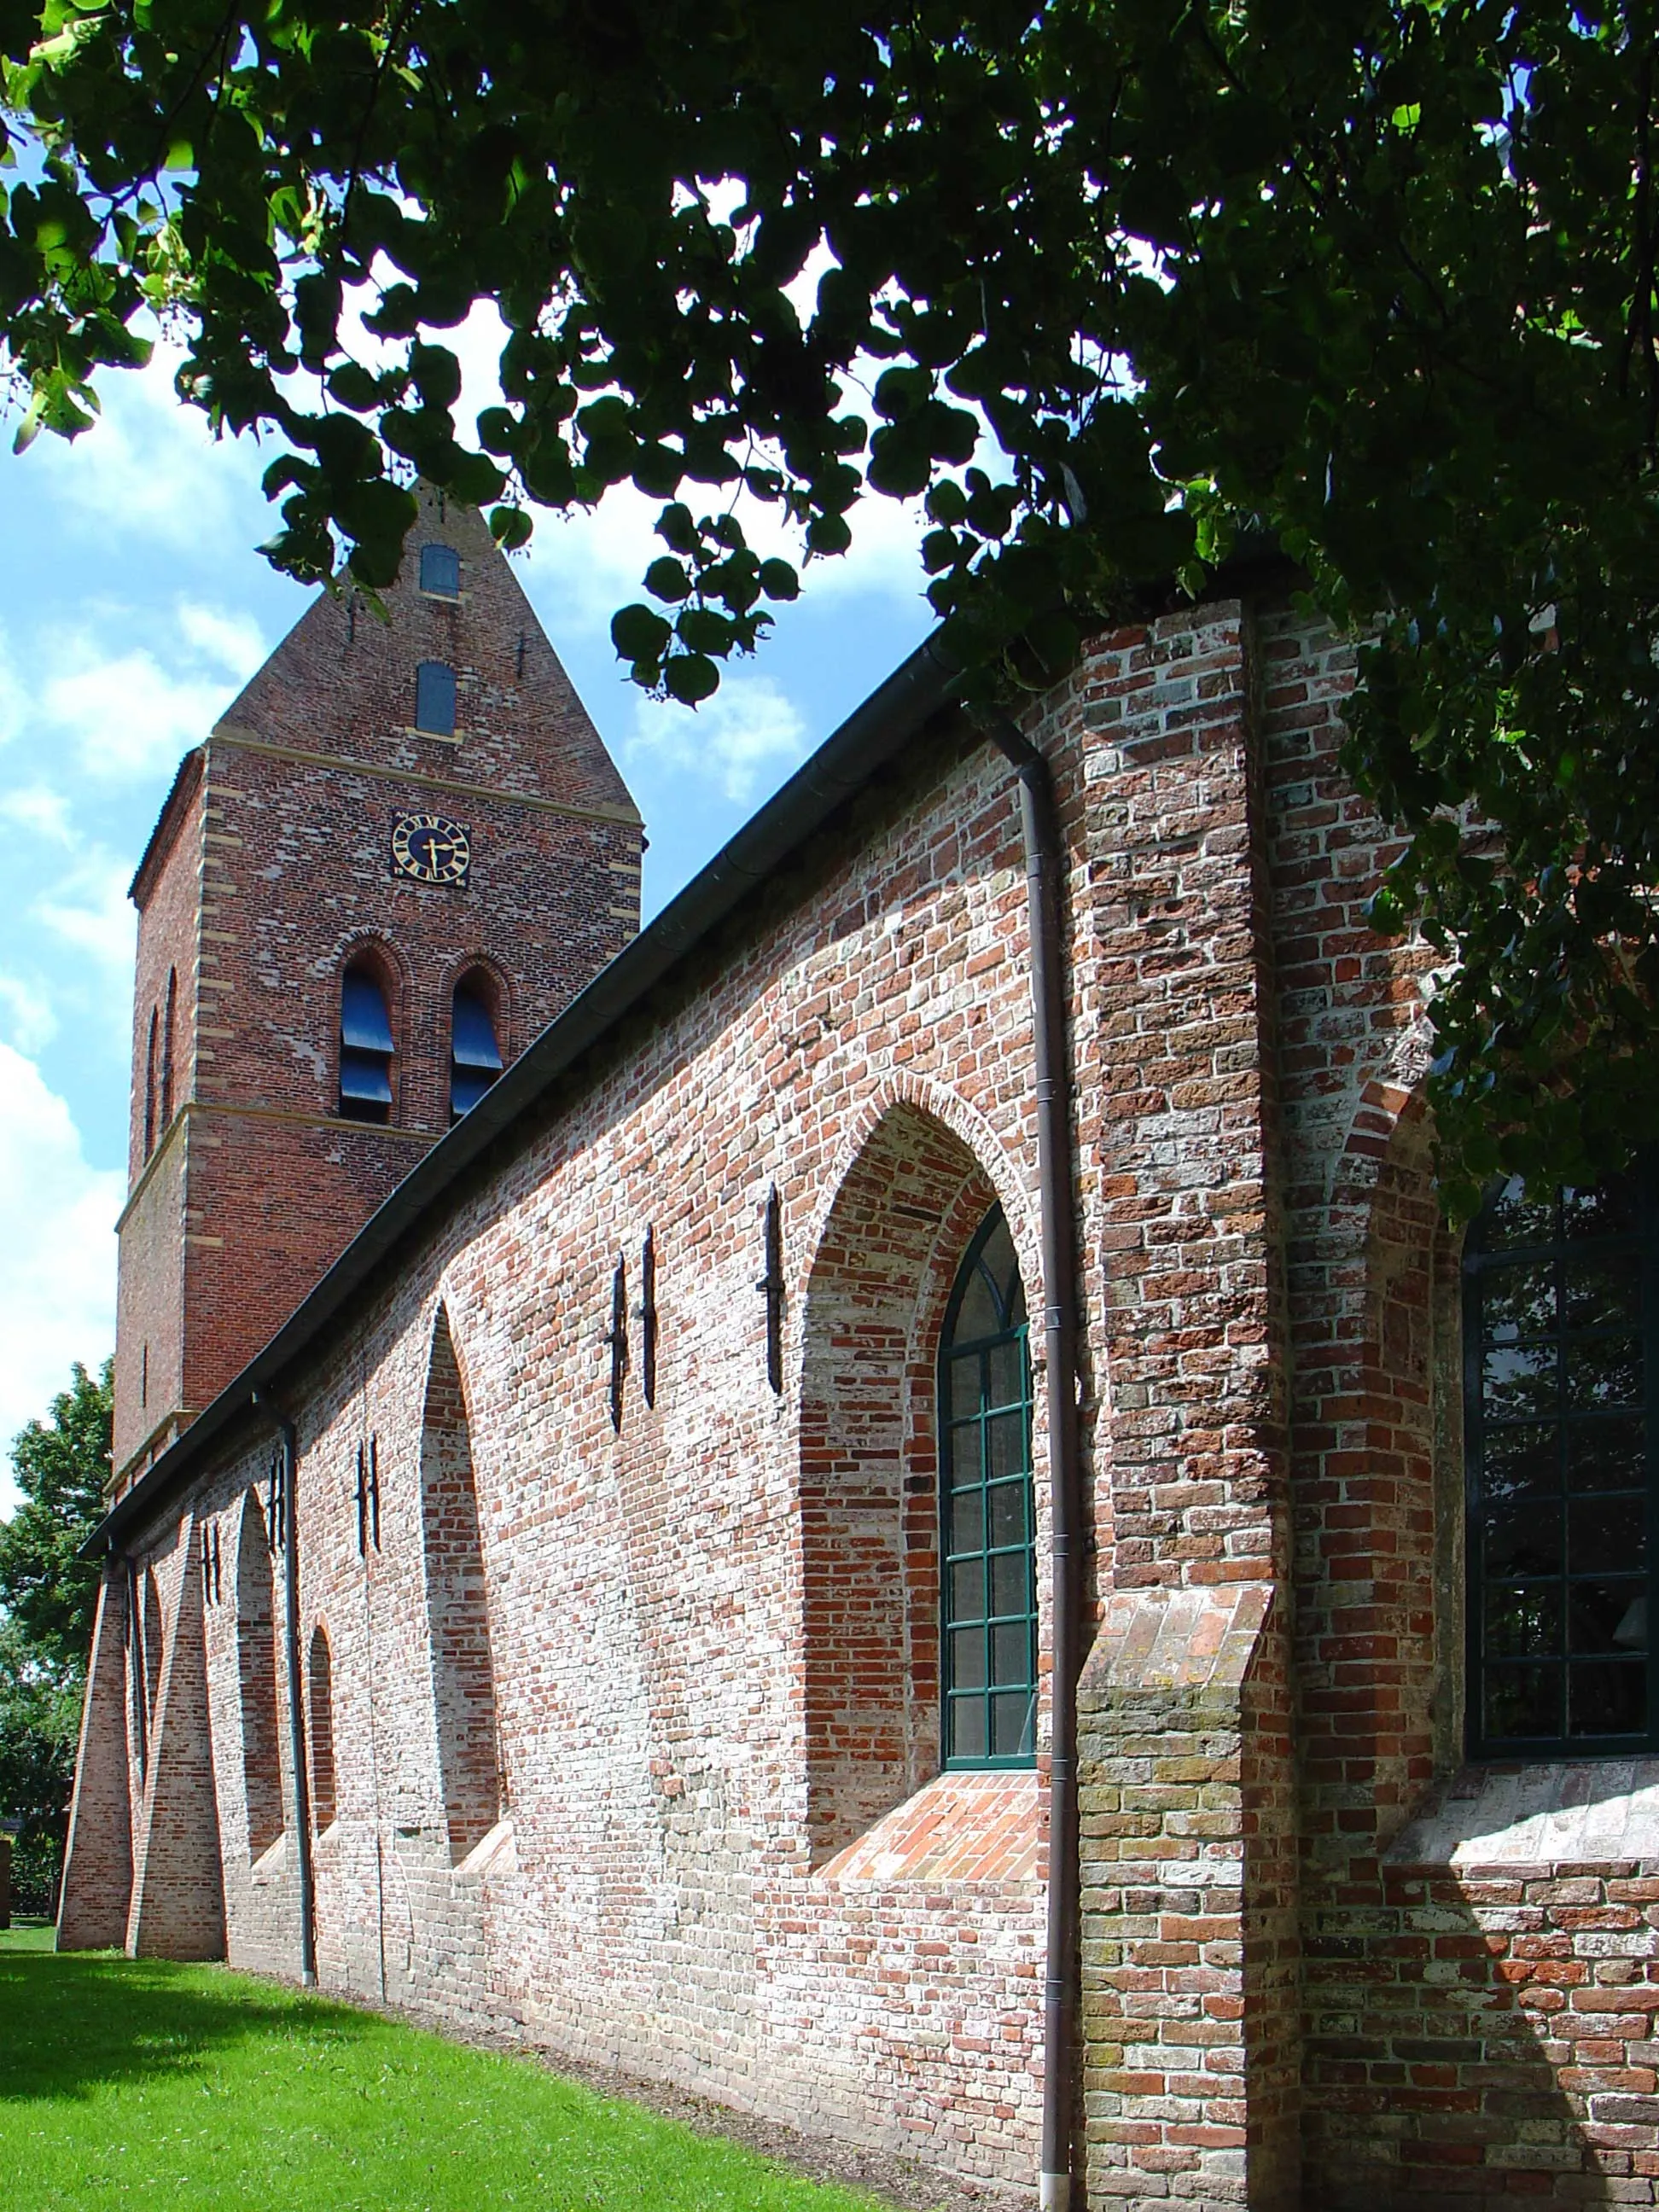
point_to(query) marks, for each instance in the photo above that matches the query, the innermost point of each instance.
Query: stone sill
(959, 1828)
(1504, 1815)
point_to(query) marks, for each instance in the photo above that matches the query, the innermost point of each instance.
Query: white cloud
(233, 643)
(742, 735)
(92, 912)
(43, 812)
(58, 1287)
(27, 1013)
(150, 467)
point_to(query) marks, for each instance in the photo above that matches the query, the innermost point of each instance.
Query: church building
(887, 1500)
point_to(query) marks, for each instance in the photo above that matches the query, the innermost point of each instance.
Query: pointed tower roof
(343, 682)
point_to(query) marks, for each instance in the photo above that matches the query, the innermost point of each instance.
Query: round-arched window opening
(987, 1541)
(366, 1049)
(475, 1052)
(1560, 1305)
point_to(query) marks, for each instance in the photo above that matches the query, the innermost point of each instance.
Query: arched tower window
(434, 698)
(464, 1680)
(987, 1533)
(319, 1683)
(150, 1059)
(1560, 1382)
(366, 1049)
(475, 1053)
(168, 1021)
(440, 571)
(256, 1667)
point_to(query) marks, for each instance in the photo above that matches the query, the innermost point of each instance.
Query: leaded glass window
(987, 1539)
(1559, 1388)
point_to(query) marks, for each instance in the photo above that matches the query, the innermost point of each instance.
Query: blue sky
(132, 607)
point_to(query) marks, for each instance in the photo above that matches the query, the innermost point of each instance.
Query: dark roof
(893, 715)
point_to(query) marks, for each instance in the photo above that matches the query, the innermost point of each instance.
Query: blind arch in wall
(151, 1639)
(319, 1684)
(463, 1675)
(256, 1667)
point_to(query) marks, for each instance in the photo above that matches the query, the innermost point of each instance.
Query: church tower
(400, 853)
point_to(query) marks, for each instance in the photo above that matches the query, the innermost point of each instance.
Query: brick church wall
(726, 1859)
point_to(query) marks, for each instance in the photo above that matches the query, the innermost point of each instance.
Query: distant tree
(47, 1596)
(1101, 281)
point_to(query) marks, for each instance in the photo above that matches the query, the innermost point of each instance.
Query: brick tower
(400, 853)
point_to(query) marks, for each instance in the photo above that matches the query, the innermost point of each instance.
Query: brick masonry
(634, 1727)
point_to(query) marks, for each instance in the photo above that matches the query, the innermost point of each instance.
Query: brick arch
(900, 1220)
(457, 1613)
(1380, 1504)
(319, 1712)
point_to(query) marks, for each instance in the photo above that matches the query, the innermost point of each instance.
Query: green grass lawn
(125, 2084)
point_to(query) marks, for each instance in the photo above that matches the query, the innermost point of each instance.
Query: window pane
(965, 1468)
(1012, 1717)
(1597, 1611)
(966, 1728)
(440, 571)
(1606, 1536)
(1525, 1539)
(1005, 1442)
(1516, 1381)
(967, 1658)
(1603, 1293)
(1011, 1653)
(1513, 1219)
(1609, 1210)
(1520, 1463)
(1604, 1371)
(1607, 1700)
(1008, 1517)
(978, 1315)
(1008, 1382)
(968, 1591)
(967, 1521)
(1523, 1701)
(965, 1392)
(434, 698)
(1607, 1455)
(1519, 1301)
(1524, 1623)
(1011, 1582)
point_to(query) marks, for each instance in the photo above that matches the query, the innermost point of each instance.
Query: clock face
(430, 848)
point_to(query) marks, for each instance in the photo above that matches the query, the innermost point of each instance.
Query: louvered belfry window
(1559, 1382)
(434, 698)
(475, 1052)
(440, 571)
(988, 1540)
(367, 1050)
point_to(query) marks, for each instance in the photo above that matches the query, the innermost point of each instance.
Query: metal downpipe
(1056, 1178)
(297, 1716)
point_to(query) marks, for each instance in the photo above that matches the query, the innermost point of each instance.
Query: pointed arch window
(434, 698)
(1561, 1406)
(150, 1054)
(366, 1049)
(167, 1023)
(475, 1052)
(987, 1505)
(440, 571)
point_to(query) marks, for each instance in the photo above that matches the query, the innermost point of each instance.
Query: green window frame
(1560, 1378)
(987, 1525)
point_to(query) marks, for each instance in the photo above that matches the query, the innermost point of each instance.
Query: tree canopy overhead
(1101, 280)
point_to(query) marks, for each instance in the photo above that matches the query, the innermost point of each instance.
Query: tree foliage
(47, 1598)
(1099, 281)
